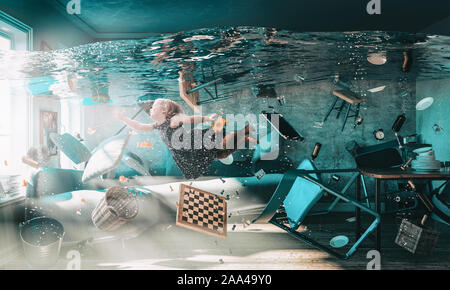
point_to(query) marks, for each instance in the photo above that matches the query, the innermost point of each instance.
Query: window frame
(18, 25)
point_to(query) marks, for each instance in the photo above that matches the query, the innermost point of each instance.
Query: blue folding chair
(441, 208)
(298, 191)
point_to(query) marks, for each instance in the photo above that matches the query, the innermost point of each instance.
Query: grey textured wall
(305, 108)
(436, 114)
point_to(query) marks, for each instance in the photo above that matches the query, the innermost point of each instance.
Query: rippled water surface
(242, 57)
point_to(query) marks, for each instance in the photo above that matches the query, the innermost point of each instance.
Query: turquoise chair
(298, 191)
(441, 210)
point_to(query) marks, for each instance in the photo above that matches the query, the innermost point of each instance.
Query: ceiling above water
(139, 18)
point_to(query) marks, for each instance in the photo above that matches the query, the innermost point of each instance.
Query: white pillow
(106, 157)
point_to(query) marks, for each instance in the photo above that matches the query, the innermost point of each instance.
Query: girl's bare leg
(232, 141)
(251, 139)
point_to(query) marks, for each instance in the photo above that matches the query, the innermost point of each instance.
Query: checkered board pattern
(202, 211)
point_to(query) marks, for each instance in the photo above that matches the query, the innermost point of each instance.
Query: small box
(260, 174)
(416, 239)
(400, 201)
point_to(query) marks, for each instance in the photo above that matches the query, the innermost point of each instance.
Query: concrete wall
(437, 114)
(305, 107)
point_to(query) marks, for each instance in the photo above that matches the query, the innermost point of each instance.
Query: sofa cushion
(71, 147)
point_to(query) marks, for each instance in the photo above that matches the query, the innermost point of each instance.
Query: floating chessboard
(202, 211)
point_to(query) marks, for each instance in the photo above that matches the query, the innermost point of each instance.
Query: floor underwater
(253, 247)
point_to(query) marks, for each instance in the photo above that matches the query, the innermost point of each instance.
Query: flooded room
(224, 135)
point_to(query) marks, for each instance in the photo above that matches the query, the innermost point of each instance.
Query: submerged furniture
(382, 156)
(379, 156)
(348, 98)
(279, 124)
(441, 212)
(73, 204)
(74, 210)
(190, 94)
(214, 98)
(298, 191)
(61, 194)
(395, 174)
(264, 91)
(110, 156)
(52, 181)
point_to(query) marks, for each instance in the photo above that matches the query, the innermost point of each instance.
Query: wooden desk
(392, 174)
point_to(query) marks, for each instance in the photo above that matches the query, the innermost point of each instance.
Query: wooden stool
(348, 97)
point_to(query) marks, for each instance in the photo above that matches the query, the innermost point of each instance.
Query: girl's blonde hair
(171, 107)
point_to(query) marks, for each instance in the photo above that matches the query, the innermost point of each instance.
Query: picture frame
(48, 124)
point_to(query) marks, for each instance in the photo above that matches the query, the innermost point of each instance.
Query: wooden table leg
(346, 116)
(378, 210)
(330, 109)
(358, 210)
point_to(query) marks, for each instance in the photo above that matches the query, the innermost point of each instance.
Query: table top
(349, 96)
(397, 173)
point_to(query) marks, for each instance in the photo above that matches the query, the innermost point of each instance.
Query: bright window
(5, 43)
(14, 108)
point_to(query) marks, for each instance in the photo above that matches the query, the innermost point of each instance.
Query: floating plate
(424, 104)
(377, 89)
(426, 169)
(426, 156)
(422, 150)
(376, 58)
(339, 241)
(227, 161)
(427, 163)
(435, 165)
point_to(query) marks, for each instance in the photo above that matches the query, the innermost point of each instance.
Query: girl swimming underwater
(193, 160)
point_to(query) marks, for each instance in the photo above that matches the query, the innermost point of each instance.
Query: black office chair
(383, 156)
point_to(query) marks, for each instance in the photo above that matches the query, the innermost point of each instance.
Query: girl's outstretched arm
(181, 119)
(135, 125)
(199, 119)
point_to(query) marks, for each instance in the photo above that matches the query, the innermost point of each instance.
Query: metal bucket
(42, 238)
(117, 207)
